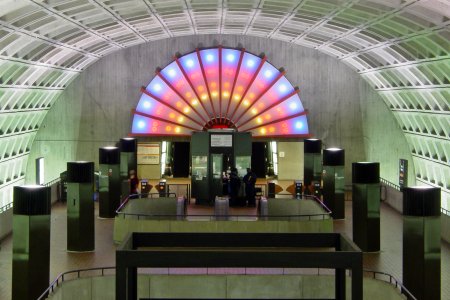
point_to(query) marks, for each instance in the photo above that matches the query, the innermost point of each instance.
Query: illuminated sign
(220, 88)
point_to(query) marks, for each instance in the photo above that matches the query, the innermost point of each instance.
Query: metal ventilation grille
(217, 88)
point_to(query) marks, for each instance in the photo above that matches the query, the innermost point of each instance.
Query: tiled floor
(388, 260)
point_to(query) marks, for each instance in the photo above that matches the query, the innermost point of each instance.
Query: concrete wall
(6, 223)
(290, 166)
(94, 111)
(384, 141)
(223, 287)
(124, 225)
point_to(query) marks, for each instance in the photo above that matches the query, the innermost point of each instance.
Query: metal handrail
(136, 196)
(392, 280)
(212, 217)
(375, 275)
(52, 182)
(390, 184)
(60, 279)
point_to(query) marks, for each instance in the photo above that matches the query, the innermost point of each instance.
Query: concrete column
(312, 161)
(31, 241)
(128, 161)
(333, 181)
(80, 206)
(422, 241)
(109, 181)
(366, 205)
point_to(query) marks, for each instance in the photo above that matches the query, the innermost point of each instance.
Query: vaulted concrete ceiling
(401, 47)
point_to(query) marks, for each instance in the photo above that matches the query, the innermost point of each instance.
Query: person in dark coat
(234, 184)
(250, 181)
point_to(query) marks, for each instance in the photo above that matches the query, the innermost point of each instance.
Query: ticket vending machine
(298, 185)
(214, 152)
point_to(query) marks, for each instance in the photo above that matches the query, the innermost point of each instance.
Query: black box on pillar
(109, 181)
(312, 170)
(366, 205)
(333, 181)
(80, 206)
(128, 162)
(422, 241)
(31, 241)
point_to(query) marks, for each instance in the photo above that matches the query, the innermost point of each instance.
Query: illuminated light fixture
(222, 87)
(168, 128)
(157, 87)
(172, 73)
(230, 57)
(190, 63)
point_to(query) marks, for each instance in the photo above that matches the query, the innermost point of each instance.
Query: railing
(390, 184)
(208, 217)
(52, 182)
(6, 207)
(178, 187)
(145, 195)
(76, 274)
(392, 280)
(61, 277)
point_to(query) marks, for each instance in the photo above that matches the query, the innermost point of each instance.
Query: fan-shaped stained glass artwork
(220, 88)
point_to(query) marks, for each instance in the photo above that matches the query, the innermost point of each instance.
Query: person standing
(234, 185)
(134, 184)
(250, 181)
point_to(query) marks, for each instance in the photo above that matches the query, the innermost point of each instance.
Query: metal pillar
(80, 206)
(333, 181)
(128, 162)
(312, 161)
(109, 181)
(31, 241)
(422, 241)
(366, 205)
